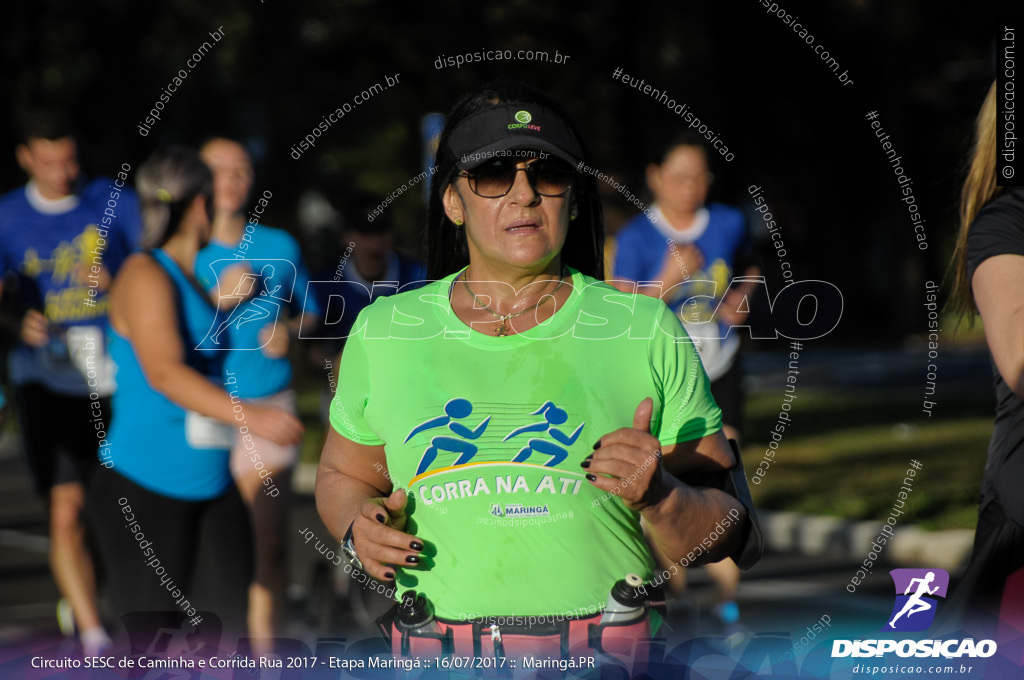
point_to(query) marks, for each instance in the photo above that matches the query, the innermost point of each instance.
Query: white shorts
(273, 456)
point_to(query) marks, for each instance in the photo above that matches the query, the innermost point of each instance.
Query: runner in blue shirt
(60, 240)
(692, 252)
(168, 488)
(258, 277)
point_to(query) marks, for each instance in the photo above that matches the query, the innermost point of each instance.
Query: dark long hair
(167, 184)
(447, 250)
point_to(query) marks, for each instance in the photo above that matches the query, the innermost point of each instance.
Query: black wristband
(734, 482)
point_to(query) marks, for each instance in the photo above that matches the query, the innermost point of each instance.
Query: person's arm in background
(680, 263)
(143, 309)
(30, 327)
(303, 313)
(732, 310)
(997, 283)
(306, 311)
(221, 276)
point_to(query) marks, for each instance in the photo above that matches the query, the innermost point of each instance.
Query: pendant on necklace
(501, 331)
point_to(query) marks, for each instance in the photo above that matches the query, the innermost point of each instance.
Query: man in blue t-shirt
(61, 241)
(369, 267)
(257, 276)
(690, 254)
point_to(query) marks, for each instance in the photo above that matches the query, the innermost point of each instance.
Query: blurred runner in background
(61, 239)
(369, 267)
(171, 523)
(694, 251)
(261, 300)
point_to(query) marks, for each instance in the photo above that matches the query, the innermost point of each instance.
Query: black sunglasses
(494, 179)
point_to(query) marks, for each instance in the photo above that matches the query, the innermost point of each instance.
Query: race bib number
(202, 432)
(87, 351)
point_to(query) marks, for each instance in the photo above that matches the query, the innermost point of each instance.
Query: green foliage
(846, 454)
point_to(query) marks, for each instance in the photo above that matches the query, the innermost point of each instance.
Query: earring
(574, 214)
(458, 223)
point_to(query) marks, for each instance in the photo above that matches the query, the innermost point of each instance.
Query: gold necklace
(502, 330)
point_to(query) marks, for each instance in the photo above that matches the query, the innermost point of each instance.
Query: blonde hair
(979, 188)
(167, 184)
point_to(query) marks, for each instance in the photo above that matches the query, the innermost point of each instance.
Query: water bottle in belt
(416, 614)
(626, 601)
(415, 624)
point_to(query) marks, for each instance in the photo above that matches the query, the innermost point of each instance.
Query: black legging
(204, 547)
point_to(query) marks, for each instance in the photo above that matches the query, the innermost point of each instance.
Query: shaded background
(794, 129)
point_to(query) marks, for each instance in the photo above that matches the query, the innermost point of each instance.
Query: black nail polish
(597, 444)
(416, 545)
(412, 559)
(381, 518)
(591, 478)
(585, 464)
(389, 574)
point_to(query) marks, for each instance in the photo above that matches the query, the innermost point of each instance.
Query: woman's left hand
(627, 463)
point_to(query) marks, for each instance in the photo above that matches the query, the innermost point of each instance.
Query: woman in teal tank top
(172, 526)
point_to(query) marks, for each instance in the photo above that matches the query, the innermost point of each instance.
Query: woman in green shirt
(501, 437)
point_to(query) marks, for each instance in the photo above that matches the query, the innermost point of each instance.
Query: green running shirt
(487, 434)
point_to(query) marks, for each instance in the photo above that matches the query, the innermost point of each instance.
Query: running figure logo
(463, 444)
(552, 416)
(914, 609)
(256, 301)
(454, 410)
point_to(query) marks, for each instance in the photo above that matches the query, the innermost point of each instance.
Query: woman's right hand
(275, 424)
(379, 538)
